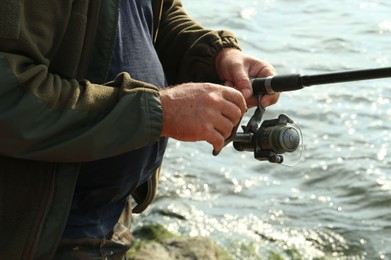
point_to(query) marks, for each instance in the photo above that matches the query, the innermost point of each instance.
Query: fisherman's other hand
(201, 112)
(235, 68)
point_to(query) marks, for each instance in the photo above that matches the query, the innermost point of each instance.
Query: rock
(174, 247)
(186, 248)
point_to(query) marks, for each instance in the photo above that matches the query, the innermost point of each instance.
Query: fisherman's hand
(201, 112)
(234, 68)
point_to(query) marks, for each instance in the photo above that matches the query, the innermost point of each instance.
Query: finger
(236, 98)
(266, 71)
(269, 100)
(215, 139)
(224, 126)
(262, 69)
(232, 112)
(252, 101)
(229, 83)
(238, 74)
(247, 93)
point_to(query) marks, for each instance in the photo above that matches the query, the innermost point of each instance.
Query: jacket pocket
(10, 19)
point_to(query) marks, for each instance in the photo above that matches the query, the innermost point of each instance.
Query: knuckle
(237, 114)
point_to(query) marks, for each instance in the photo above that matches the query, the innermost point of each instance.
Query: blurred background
(336, 202)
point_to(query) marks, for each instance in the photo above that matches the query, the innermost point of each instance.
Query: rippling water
(336, 202)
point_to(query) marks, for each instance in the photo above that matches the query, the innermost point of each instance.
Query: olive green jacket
(56, 110)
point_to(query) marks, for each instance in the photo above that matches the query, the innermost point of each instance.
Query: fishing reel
(271, 138)
(268, 139)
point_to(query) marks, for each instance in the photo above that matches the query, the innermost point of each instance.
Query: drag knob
(280, 139)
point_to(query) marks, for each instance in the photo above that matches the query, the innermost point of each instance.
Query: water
(336, 202)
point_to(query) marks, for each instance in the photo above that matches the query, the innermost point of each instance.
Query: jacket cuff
(199, 65)
(228, 40)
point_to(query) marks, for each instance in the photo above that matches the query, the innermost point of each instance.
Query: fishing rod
(271, 138)
(290, 82)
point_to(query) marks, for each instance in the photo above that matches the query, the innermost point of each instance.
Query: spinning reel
(271, 138)
(268, 139)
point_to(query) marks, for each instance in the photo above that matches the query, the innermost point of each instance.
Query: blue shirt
(103, 186)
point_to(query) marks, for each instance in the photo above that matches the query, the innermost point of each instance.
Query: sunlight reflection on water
(334, 204)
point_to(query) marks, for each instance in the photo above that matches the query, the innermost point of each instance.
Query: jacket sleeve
(48, 116)
(186, 49)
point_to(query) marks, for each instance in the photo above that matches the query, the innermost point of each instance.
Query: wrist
(222, 55)
(166, 97)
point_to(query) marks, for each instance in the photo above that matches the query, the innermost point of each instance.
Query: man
(85, 113)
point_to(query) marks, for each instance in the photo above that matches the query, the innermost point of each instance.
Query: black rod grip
(278, 83)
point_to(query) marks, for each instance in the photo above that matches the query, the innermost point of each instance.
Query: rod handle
(278, 83)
